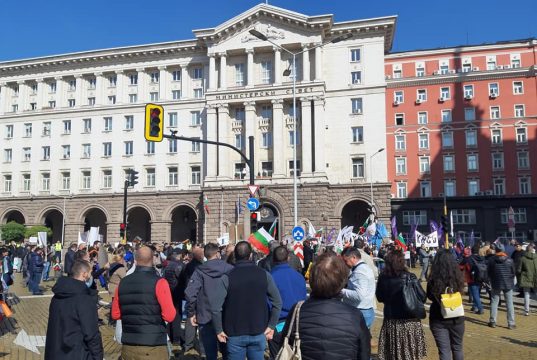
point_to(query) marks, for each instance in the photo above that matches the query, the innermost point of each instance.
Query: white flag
(311, 231)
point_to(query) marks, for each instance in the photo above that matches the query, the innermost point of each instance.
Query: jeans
(33, 282)
(210, 342)
(508, 295)
(46, 270)
(448, 335)
(246, 346)
(424, 268)
(475, 290)
(527, 296)
(369, 316)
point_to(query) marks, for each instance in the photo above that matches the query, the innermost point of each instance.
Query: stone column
(212, 72)
(121, 87)
(211, 149)
(223, 71)
(224, 131)
(3, 96)
(100, 95)
(306, 137)
(22, 100)
(60, 92)
(318, 60)
(320, 164)
(142, 85)
(250, 67)
(79, 91)
(305, 63)
(163, 84)
(249, 125)
(185, 81)
(277, 66)
(41, 90)
(278, 137)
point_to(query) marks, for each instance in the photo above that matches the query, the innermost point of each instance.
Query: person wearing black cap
(501, 269)
(172, 273)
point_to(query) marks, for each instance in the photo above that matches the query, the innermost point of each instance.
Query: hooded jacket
(201, 289)
(528, 270)
(73, 330)
(501, 269)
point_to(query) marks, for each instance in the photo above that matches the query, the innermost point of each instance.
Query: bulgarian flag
(274, 228)
(260, 240)
(206, 204)
(362, 229)
(400, 240)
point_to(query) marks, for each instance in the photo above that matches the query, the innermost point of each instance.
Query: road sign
(253, 204)
(253, 189)
(298, 233)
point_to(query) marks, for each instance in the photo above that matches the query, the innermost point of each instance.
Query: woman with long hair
(448, 333)
(401, 335)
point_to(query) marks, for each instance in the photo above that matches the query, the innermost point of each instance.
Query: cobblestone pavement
(481, 342)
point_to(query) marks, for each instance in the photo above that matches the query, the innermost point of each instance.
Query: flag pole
(446, 234)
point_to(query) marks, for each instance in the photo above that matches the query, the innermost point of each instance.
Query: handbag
(414, 298)
(451, 304)
(286, 351)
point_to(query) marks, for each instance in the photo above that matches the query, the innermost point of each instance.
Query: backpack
(479, 271)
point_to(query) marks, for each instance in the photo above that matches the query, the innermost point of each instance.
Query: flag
(311, 231)
(451, 223)
(394, 227)
(319, 233)
(363, 228)
(330, 237)
(239, 206)
(206, 204)
(413, 229)
(273, 228)
(438, 229)
(299, 251)
(459, 247)
(400, 240)
(260, 240)
(472, 239)
(381, 230)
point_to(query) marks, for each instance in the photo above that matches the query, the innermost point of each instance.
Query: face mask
(89, 282)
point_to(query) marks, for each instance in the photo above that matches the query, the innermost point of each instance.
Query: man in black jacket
(69, 258)
(73, 331)
(172, 273)
(501, 271)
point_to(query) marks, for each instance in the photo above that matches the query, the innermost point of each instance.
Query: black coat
(69, 261)
(501, 271)
(330, 329)
(73, 330)
(390, 292)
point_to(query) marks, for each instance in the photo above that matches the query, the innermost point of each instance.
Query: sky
(33, 28)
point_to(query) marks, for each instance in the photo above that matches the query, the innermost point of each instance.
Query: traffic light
(133, 177)
(154, 122)
(254, 216)
(444, 222)
(122, 230)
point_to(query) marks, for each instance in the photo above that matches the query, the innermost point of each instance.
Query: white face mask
(89, 282)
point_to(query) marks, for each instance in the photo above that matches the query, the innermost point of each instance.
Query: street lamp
(371, 176)
(63, 217)
(287, 72)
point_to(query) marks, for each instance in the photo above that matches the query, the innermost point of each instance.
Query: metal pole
(295, 195)
(125, 210)
(446, 245)
(63, 222)
(371, 181)
(252, 158)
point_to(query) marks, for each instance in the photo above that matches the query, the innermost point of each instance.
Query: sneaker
(512, 327)
(492, 324)
(479, 312)
(526, 313)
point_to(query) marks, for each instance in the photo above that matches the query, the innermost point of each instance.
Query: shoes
(512, 327)
(492, 324)
(38, 293)
(526, 313)
(478, 312)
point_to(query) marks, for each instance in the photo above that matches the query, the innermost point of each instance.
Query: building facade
(73, 127)
(462, 122)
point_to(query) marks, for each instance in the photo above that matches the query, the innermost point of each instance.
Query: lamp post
(287, 72)
(371, 176)
(63, 217)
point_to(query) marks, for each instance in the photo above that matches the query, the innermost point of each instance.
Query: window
(196, 118)
(400, 166)
(449, 188)
(420, 71)
(355, 55)
(66, 127)
(153, 96)
(425, 167)
(52, 104)
(173, 176)
(266, 140)
(7, 183)
(444, 69)
(449, 163)
(472, 162)
(399, 119)
(425, 188)
(52, 87)
(497, 161)
(238, 141)
(66, 151)
(197, 73)
(471, 138)
(107, 179)
(27, 154)
(473, 187)
(469, 113)
(112, 81)
(176, 94)
(468, 91)
(71, 103)
(86, 151)
(92, 83)
(26, 182)
(195, 146)
(401, 190)
(8, 155)
(418, 217)
(66, 180)
(111, 100)
(357, 134)
(150, 177)
(14, 108)
(240, 114)
(463, 216)
(196, 175)
(524, 185)
(466, 67)
(172, 146)
(266, 169)
(422, 95)
(491, 63)
(198, 93)
(87, 125)
(240, 171)
(444, 93)
(423, 141)
(266, 69)
(356, 77)
(397, 73)
(518, 87)
(398, 97)
(128, 148)
(176, 75)
(523, 160)
(358, 170)
(9, 131)
(496, 136)
(239, 74)
(46, 128)
(33, 106)
(446, 116)
(28, 130)
(172, 119)
(495, 112)
(292, 138)
(133, 79)
(107, 149)
(86, 179)
(150, 149)
(519, 110)
(107, 124)
(521, 135)
(520, 216)
(266, 112)
(499, 186)
(422, 117)
(154, 77)
(129, 122)
(72, 85)
(133, 98)
(494, 90)
(447, 140)
(291, 168)
(400, 142)
(91, 101)
(46, 153)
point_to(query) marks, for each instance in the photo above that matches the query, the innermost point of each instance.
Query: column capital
(249, 51)
(249, 104)
(305, 101)
(39, 80)
(223, 106)
(183, 65)
(305, 46)
(276, 48)
(119, 71)
(78, 76)
(222, 54)
(277, 103)
(140, 69)
(3, 83)
(162, 67)
(21, 82)
(58, 78)
(98, 73)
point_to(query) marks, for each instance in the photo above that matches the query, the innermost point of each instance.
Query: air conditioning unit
(357, 82)
(493, 95)
(479, 193)
(85, 155)
(468, 97)
(489, 192)
(442, 99)
(65, 156)
(418, 101)
(499, 67)
(396, 102)
(475, 68)
(507, 66)
(452, 72)
(357, 111)
(388, 77)
(436, 72)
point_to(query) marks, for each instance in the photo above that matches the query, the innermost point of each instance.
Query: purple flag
(459, 248)
(413, 229)
(472, 239)
(438, 229)
(394, 228)
(330, 240)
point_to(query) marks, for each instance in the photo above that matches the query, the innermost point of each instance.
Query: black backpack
(479, 271)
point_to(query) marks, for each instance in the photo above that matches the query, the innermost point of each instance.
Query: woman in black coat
(328, 328)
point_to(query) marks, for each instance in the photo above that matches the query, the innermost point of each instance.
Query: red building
(462, 122)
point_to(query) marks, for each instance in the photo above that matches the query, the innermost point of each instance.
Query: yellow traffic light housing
(154, 122)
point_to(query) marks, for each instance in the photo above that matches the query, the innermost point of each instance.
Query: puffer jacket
(390, 292)
(528, 270)
(501, 269)
(330, 329)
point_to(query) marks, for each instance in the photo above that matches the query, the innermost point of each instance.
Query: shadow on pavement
(477, 322)
(532, 344)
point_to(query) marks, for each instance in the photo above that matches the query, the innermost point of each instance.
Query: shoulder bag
(414, 298)
(287, 352)
(451, 304)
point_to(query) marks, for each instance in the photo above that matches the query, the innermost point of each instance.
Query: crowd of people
(237, 301)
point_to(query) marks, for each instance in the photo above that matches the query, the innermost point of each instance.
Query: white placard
(93, 235)
(430, 240)
(42, 238)
(223, 240)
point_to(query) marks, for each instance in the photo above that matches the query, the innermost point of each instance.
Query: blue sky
(32, 28)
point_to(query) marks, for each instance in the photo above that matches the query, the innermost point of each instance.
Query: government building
(73, 126)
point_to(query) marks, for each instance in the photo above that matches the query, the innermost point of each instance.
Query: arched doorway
(53, 219)
(184, 221)
(95, 218)
(354, 213)
(267, 215)
(14, 215)
(139, 224)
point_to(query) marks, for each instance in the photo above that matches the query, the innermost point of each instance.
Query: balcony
(236, 125)
(290, 121)
(264, 123)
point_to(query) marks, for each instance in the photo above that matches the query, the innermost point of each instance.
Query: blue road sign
(298, 233)
(253, 204)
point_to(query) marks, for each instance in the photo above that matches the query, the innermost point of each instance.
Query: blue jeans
(210, 342)
(33, 282)
(508, 296)
(246, 346)
(475, 290)
(46, 270)
(369, 316)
